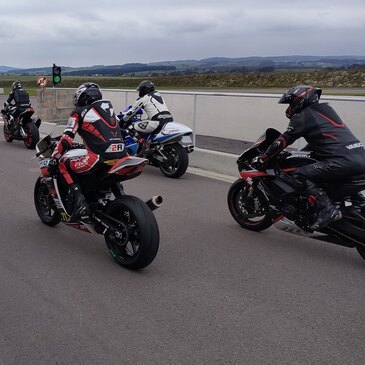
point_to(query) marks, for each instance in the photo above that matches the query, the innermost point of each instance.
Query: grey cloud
(117, 31)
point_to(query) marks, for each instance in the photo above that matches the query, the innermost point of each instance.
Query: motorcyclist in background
(155, 107)
(338, 151)
(96, 123)
(21, 100)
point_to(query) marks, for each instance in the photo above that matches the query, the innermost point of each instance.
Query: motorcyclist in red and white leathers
(155, 107)
(96, 123)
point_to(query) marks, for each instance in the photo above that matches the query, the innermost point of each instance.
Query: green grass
(339, 80)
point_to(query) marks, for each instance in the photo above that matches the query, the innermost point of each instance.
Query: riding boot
(358, 199)
(358, 203)
(327, 211)
(80, 207)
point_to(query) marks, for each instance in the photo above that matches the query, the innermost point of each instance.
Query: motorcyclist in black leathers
(21, 100)
(338, 151)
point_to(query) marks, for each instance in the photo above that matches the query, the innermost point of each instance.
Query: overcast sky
(36, 33)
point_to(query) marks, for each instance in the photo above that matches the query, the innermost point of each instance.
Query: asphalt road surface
(215, 294)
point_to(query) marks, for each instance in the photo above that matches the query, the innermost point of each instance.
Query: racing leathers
(338, 151)
(156, 110)
(21, 100)
(98, 127)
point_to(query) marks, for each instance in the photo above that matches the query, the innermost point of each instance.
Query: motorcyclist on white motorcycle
(155, 107)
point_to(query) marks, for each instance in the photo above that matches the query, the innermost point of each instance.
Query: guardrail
(240, 116)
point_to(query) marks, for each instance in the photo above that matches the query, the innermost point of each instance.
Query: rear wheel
(248, 206)
(32, 135)
(45, 205)
(7, 135)
(359, 233)
(134, 241)
(351, 229)
(361, 251)
(177, 160)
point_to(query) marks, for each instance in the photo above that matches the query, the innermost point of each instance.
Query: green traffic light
(56, 79)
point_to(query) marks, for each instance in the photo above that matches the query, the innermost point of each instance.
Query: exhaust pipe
(155, 202)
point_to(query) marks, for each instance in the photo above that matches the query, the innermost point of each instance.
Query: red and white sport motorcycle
(127, 223)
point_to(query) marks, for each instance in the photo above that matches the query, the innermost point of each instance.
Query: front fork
(274, 212)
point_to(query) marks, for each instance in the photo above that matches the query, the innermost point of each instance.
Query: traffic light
(56, 74)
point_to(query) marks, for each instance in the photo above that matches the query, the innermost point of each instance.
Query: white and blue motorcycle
(167, 149)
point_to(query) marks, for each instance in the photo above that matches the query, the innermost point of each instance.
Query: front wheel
(31, 135)
(7, 134)
(45, 205)
(248, 206)
(134, 242)
(177, 160)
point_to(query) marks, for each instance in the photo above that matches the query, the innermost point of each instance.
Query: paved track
(215, 294)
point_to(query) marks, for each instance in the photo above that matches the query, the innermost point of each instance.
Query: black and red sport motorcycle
(259, 199)
(127, 223)
(25, 128)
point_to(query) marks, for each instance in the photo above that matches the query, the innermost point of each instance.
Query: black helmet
(87, 93)
(16, 85)
(145, 87)
(299, 97)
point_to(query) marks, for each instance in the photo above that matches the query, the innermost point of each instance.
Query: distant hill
(7, 69)
(207, 65)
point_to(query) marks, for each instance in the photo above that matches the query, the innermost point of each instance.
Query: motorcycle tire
(358, 234)
(252, 212)
(7, 134)
(32, 135)
(45, 205)
(178, 160)
(136, 244)
(360, 237)
(361, 251)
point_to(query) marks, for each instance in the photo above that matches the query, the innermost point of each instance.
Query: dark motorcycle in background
(167, 149)
(260, 199)
(127, 223)
(23, 128)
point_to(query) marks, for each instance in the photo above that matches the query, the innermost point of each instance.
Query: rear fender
(25, 116)
(129, 166)
(172, 131)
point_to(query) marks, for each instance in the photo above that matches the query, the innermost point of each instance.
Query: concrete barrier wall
(240, 116)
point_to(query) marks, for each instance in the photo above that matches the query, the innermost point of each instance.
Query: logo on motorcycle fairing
(115, 147)
(142, 125)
